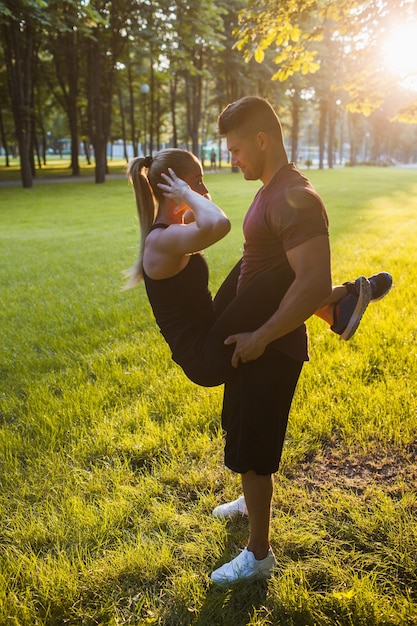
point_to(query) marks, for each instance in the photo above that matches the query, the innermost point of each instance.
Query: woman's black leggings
(236, 313)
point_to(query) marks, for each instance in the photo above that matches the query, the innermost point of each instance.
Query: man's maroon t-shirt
(299, 215)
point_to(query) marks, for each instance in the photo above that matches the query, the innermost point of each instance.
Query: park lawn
(111, 460)
(60, 168)
(57, 167)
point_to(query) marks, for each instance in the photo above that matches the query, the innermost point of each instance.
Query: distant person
(213, 159)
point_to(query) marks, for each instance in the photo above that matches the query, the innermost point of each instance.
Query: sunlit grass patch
(111, 460)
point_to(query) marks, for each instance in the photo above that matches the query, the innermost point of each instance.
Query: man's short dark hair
(249, 116)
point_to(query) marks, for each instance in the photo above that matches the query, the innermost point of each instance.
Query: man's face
(247, 154)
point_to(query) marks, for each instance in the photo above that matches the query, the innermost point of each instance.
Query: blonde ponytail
(146, 206)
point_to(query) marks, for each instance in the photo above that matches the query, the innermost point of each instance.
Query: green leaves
(287, 28)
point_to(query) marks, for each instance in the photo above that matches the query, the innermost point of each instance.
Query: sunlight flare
(400, 54)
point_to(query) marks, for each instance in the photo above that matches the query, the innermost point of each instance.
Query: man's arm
(312, 284)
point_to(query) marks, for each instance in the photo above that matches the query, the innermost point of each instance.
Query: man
(286, 227)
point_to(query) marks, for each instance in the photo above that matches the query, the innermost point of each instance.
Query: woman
(177, 221)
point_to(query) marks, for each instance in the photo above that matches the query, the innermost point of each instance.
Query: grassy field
(111, 461)
(56, 167)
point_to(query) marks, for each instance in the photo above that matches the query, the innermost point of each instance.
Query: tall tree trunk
(87, 151)
(331, 136)
(152, 108)
(352, 123)
(42, 133)
(4, 140)
(193, 89)
(72, 63)
(75, 153)
(295, 131)
(322, 131)
(65, 53)
(196, 116)
(173, 83)
(133, 133)
(123, 125)
(158, 121)
(35, 142)
(99, 89)
(19, 45)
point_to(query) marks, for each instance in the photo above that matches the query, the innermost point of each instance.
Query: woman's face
(194, 178)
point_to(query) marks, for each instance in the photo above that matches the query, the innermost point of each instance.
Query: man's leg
(255, 412)
(326, 312)
(258, 491)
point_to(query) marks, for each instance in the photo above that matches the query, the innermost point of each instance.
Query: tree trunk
(193, 89)
(133, 134)
(19, 44)
(72, 63)
(65, 53)
(322, 131)
(72, 119)
(152, 108)
(158, 122)
(123, 125)
(87, 151)
(99, 90)
(352, 138)
(295, 131)
(331, 137)
(4, 140)
(101, 162)
(172, 100)
(35, 143)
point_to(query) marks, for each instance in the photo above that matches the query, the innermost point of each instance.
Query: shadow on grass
(237, 604)
(233, 606)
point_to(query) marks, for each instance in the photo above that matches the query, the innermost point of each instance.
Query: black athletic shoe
(349, 310)
(380, 285)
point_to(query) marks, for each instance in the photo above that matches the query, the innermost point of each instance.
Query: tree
(198, 39)
(22, 21)
(103, 47)
(295, 28)
(6, 121)
(63, 44)
(338, 42)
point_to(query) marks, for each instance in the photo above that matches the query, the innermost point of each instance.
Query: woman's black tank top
(182, 306)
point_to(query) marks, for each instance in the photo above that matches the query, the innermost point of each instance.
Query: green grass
(111, 460)
(57, 167)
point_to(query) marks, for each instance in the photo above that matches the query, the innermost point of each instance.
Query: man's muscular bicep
(311, 263)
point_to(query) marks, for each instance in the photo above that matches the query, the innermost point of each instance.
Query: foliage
(258, 31)
(87, 62)
(111, 461)
(295, 28)
(407, 113)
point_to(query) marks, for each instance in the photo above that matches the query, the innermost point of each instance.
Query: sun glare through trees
(400, 54)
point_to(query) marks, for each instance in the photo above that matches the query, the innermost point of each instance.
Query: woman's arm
(210, 225)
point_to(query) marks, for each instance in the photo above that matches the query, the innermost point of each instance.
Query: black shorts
(256, 404)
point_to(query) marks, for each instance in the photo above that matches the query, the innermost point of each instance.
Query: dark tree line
(142, 71)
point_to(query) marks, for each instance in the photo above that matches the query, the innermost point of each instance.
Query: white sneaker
(245, 567)
(230, 509)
